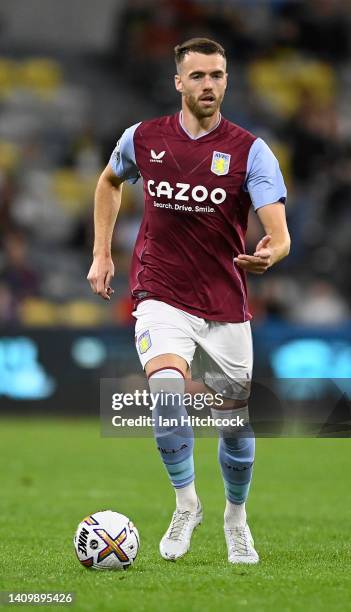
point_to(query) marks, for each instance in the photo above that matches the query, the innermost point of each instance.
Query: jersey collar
(180, 119)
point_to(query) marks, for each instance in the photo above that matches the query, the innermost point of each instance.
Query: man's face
(202, 81)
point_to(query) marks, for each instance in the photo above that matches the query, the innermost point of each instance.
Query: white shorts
(219, 353)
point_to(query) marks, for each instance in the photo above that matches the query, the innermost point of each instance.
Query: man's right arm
(121, 167)
(108, 195)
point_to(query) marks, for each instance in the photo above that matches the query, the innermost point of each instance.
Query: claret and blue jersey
(197, 192)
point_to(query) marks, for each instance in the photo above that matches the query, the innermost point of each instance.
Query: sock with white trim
(236, 453)
(175, 441)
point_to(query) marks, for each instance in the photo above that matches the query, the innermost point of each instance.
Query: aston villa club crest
(144, 342)
(220, 163)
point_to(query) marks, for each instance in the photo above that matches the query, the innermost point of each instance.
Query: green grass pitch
(56, 472)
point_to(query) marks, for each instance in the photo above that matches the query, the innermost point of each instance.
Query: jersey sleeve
(122, 160)
(264, 180)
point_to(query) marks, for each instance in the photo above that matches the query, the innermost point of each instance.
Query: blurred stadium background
(72, 78)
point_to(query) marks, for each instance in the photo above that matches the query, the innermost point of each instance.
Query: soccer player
(201, 174)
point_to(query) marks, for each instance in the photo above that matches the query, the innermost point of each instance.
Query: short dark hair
(197, 45)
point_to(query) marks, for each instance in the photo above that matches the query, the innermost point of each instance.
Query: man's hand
(100, 274)
(260, 261)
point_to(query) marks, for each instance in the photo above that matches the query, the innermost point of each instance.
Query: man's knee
(232, 404)
(167, 361)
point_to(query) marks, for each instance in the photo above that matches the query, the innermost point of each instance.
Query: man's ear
(178, 83)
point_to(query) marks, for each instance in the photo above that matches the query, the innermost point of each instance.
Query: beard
(199, 111)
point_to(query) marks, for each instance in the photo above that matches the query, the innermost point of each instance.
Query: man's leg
(226, 364)
(166, 373)
(165, 343)
(175, 442)
(236, 453)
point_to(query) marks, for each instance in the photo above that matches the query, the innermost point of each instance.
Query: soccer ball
(106, 540)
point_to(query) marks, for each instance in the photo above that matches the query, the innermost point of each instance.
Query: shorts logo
(144, 342)
(220, 163)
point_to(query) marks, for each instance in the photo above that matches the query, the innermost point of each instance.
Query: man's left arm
(274, 246)
(265, 184)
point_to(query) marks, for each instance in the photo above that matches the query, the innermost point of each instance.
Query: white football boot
(240, 545)
(176, 541)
